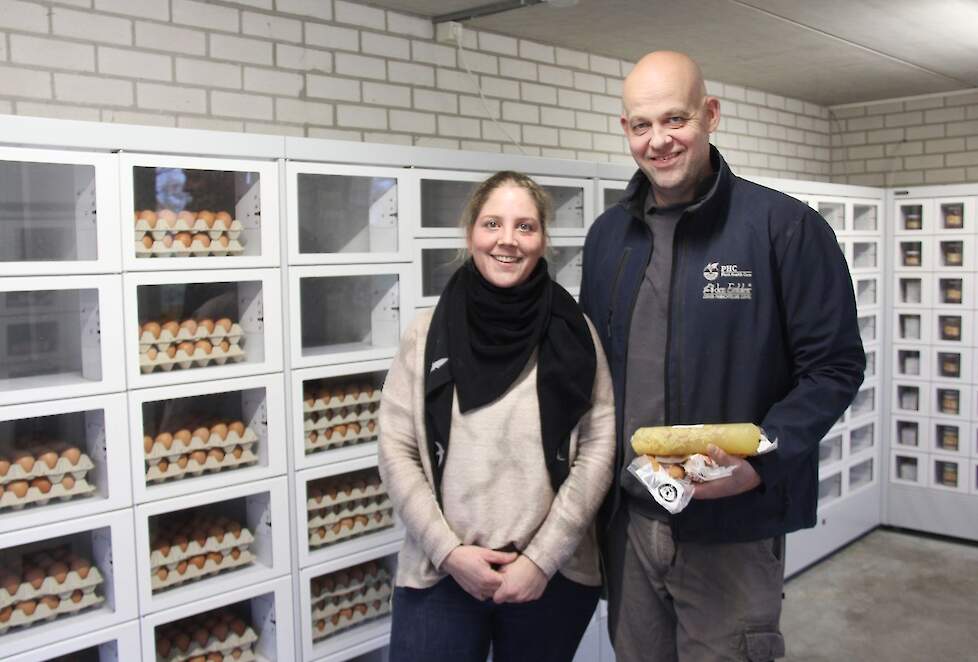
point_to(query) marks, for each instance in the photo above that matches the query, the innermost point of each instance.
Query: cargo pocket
(764, 646)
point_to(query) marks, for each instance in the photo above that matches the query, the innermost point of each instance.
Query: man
(718, 301)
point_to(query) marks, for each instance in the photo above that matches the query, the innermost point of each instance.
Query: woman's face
(507, 239)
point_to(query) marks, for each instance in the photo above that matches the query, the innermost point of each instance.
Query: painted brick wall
(925, 140)
(346, 70)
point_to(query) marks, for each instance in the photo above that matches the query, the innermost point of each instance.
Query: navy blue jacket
(762, 329)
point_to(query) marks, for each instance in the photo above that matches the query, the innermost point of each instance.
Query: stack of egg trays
(195, 561)
(348, 597)
(161, 351)
(155, 452)
(17, 479)
(28, 603)
(156, 232)
(347, 506)
(343, 419)
(192, 639)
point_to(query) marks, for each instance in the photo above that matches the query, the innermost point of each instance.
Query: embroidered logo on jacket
(739, 288)
(710, 271)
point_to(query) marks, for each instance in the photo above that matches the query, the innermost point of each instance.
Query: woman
(496, 446)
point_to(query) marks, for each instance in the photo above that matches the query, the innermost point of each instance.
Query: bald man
(717, 301)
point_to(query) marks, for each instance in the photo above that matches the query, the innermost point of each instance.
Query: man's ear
(624, 123)
(712, 107)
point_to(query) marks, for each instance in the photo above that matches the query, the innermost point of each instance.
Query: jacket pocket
(764, 646)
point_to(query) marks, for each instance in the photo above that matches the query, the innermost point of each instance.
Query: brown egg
(165, 439)
(206, 216)
(237, 452)
(312, 436)
(182, 642)
(152, 328)
(167, 216)
(220, 631)
(148, 215)
(207, 324)
(184, 238)
(161, 574)
(221, 430)
(215, 557)
(6, 613)
(167, 241)
(19, 488)
(172, 326)
(223, 241)
(217, 454)
(187, 216)
(340, 430)
(361, 519)
(182, 461)
(186, 347)
(163, 465)
(200, 537)
(171, 351)
(25, 461)
(335, 618)
(4, 466)
(163, 647)
(183, 436)
(360, 609)
(77, 595)
(35, 577)
(151, 353)
(237, 427)
(81, 566)
(68, 481)
(201, 636)
(234, 529)
(42, 483)
(10, 582)
(27, 606)
(235, 553)
(223, 216)
(181, 541)
(202, 433)
(204, 240)
(225, 346)
(52, 602)
(189, 325)
(182, 567)
(214, 657)
(371, 426)
(199, 457)
(239, 627)
(355, 427)
(236, 653)
(225, 323)
(204, 345)
(147, 241)
(72, 454)
(50, 458)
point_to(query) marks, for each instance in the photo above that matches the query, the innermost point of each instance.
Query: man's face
(668, 125)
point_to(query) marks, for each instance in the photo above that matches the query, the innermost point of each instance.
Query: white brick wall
(346, 70)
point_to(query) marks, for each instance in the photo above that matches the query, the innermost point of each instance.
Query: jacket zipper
(674, 320)
(614, 289)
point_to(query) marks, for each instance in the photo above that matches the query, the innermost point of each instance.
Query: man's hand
(743, 479)
(523, 581)
(471, 567)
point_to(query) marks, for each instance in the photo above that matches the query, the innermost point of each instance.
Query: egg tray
(318, 540)
(35, 496)
(354, 494)
(215, 230)
(335, 402)
(54, 474)
(193, 468)
(327, 517)
(194, 548)
(321, 442)
(166, 338)
(211, 567)
(182, 360)
(326, 628)
(379, 591)
(195, 249)
(51, 586)
(244, 655)
(322, 422)
(382, 575)
(197, 444)
(214, 645)
(45, 613)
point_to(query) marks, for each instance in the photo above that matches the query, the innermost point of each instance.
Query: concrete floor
(891, 596)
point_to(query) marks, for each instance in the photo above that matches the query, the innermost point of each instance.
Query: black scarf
(480, 340)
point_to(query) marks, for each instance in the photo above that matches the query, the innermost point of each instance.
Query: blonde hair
(541, 199)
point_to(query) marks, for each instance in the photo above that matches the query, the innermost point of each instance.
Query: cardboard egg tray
(166, 338)
(200, 358)
(335, 402)
(214, 645)
(211, 544)
(325, 608)
(161, 228)
(353, 494)
(341, 416)
(36, 497)
(194, 468)
(197, 444)
(382, 575)
(326, 628)
(54, 474)
(50, 586)
(329, 516)
(195, 249)
(45, 613)
(358, 529)
(321, 442)
(210, 568)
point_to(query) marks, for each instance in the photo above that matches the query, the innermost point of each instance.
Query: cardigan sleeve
(577, 501)
(400, 455)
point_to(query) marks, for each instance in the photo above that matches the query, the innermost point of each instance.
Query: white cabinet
(59, 212)
(182, 212)
(112, 644)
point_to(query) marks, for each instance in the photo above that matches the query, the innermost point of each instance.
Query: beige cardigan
(495, 488)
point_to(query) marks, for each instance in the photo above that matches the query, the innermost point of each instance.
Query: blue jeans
(443, 623)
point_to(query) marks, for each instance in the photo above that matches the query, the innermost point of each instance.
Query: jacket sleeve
(400, 453)
(818, 315)
(577, 501)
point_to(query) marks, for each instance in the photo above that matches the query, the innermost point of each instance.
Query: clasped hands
(743, 478)
(503, 576)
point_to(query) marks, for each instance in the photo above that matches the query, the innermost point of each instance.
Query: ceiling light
(496, 8)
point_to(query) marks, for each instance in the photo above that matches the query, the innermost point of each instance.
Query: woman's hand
(471, 567)
(523, 581)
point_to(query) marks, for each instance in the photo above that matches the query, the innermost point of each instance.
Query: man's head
(668, 119)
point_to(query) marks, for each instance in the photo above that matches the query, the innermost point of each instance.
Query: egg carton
(326, 628)
(213, 645)
(354, 494)
(330, 516)
(36, 497)
(54, 474)
(45, 613)
(211, 567)
(318, 540)
(174, 471)
(185, 361)
(196, 249)
(246, 441)
(161, 228)
(167, 338)
(382, 575)
(335, 402)
(320, 441)
(330, 606)
(342, 416)
(51, 586)
(157, 558)
(235, 655)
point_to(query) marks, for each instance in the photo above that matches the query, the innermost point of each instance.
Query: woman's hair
(541, 199)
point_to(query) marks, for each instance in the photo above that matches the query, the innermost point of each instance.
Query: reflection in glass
(343, 214)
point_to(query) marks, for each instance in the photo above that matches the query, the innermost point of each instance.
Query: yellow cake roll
(682, 440)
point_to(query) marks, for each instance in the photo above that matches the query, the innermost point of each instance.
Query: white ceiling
(824, 51)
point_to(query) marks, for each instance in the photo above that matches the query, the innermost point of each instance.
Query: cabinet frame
(125, 637)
